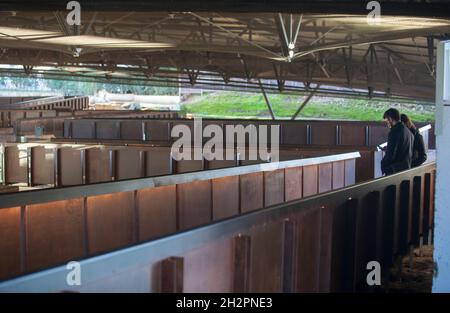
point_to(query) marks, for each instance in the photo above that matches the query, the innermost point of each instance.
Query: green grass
(246, 105)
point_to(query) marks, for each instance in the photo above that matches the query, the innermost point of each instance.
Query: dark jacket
(419, 155)
(399, 150)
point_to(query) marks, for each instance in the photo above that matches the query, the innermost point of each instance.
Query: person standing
(419, 155)
(398, 154)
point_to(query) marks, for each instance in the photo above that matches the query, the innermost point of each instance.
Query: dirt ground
(418, 278)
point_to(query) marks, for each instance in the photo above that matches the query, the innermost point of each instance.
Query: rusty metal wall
(71, 164)
(301, 132)
(315, 244)
(59, 225)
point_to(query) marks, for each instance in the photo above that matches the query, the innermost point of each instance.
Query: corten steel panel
(107, 129)
(325, 177)
(426, 222)
(156, 212)
(432, 194)
(69, 167)
(55, 233)
(396, 225)
(365, 166)
(172, 275)
(157, 162)
(67, 126)
(410, 212)
(289, 155)
(417, 214)
(323, 134)
(83, 129)
(10, 242)
(25, 127)
(422, 206)
(214, 164)
(128, 163)
(208, 268)
(42, 166)
(131, 130)
(110, 220)
(251, 189)
(15, 115)
(353, 135)
(266, 267)
(378, 135)
(388, 221)
(48, 113)
(342, 265)
(289, 252)
(15, 165)
(310, 180)
(326, 245)
(352, 207)
(97, 165)
(338, 174)
(365, 239)
(293, 134)
(251, 162)
(293, 183)
(56, 128)
(375, 240)
(241, 245)
(264, 215)
(225, 197)
(32, 113)
(194, 204)
(308, 251)
(405, 216)
(273, 187)
(338, 247)
(350, 175)
(184, 166)
(157, 130)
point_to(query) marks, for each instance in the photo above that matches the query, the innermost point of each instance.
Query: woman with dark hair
(419, 153)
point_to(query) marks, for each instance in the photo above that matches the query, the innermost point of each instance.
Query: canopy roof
(329, 53)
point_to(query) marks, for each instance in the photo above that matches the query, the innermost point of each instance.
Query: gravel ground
(418, 278)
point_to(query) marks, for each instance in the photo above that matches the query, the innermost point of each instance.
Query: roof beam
(278, 71)
(305, 102)
(269, 105)
(430, 46)
(284, 41)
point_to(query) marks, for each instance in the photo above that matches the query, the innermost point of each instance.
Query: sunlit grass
(246, 105)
